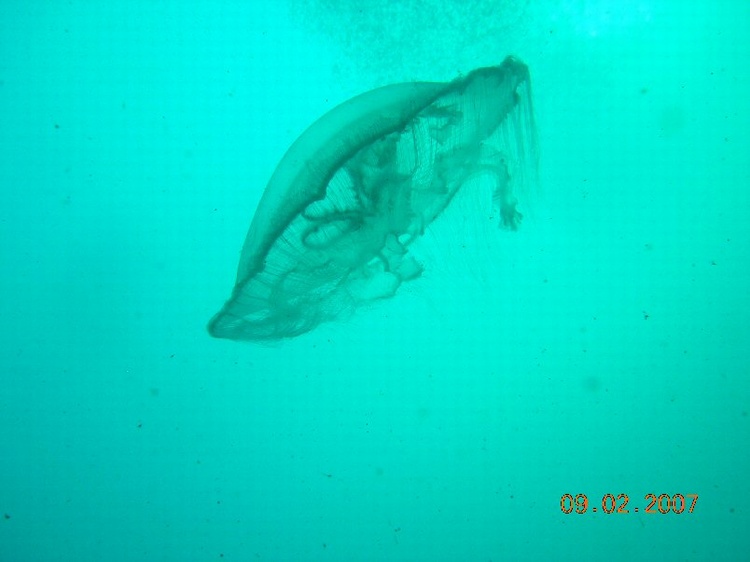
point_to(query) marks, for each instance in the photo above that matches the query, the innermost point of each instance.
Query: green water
(600, 348)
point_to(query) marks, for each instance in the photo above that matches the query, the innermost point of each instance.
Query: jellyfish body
(334, 225)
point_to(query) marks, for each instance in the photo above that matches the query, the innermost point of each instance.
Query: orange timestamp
(663, 503)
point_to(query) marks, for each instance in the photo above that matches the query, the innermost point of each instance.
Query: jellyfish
(333, 228)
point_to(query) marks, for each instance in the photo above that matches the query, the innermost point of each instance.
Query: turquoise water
(601, 348)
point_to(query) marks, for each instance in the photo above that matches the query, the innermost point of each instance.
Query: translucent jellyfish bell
(333, 227)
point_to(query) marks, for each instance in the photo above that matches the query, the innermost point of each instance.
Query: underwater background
(602, 348)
